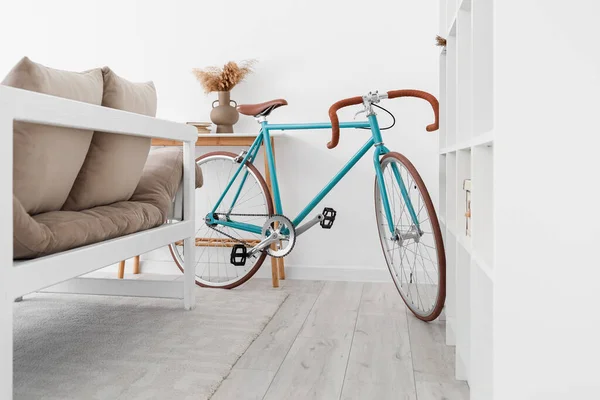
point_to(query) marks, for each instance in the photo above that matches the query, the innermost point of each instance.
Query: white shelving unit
(467, 152)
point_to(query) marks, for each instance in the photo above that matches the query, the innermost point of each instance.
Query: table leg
(274, 261)
(281, 269)
(275, 272)
(280, 262)
(121, 272)
(136, 265)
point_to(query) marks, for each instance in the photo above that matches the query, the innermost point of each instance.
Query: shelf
(451, 190)
(442, 189)
(464, 77)
(442, 106)
(483, 65)
(448, 106)
(466, 151)
(483, 266)
(451, 230)
(450, 17)
(463, 310)
(465, 5)
(483, 203)
(452, 29)
(465, 242)
(486, 138)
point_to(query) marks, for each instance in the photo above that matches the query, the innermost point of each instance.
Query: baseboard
(300, 272)
(450, 335)
(329, 273)
(461, 372)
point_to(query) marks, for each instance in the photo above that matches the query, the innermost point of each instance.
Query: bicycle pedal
(328, 217)
(239, 253)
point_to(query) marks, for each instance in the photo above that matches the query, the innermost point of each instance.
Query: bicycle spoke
(212, 261)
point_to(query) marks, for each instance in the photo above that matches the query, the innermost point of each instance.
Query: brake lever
(364, 110)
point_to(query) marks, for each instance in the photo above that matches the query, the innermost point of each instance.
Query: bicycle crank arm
(303, 228)
(266, 242)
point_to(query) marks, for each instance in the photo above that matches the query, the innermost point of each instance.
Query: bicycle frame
(264, 137)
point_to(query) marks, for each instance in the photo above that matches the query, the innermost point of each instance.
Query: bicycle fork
(414, 232)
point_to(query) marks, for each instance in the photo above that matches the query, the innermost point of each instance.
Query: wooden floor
(344, 340)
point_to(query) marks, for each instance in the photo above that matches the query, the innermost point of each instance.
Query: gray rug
(91, 347)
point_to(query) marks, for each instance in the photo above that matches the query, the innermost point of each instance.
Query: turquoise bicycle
(240, 221)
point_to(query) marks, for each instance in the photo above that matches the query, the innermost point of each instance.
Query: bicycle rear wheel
(213, 248)
(416, 259)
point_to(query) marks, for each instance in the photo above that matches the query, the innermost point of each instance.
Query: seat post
(271, 166)
(261, 118)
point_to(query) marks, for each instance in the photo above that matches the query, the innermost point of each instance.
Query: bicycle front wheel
(248, 201)
(414, 252)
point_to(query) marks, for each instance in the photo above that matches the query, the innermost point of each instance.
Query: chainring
(285, 228)
(279, 218)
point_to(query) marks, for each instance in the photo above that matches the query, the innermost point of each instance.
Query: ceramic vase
(224, 115)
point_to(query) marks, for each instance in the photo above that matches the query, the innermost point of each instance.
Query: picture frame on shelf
(467, 189)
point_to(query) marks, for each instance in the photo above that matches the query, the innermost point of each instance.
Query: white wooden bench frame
(20, 278)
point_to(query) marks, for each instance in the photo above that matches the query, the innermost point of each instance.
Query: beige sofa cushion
(57, 231)
(47, 159)
(113, 166)
(158, 182)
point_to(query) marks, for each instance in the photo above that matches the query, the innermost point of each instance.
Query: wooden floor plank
(355, 390)
(442, 390)
(316, 364)
(381, 354)
(433, 360)
(334, 314)
(244, 384)
(380, 357)
(313, 369)
(268, 351)
(341, 340)
(382, 299)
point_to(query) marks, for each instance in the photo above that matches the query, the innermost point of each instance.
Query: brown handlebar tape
(335, 122)
(392, 94)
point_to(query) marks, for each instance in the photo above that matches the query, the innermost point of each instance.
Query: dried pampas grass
(216, 79)
(440, 41)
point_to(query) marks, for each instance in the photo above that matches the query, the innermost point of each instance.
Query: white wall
(310, 52)
(546, 296)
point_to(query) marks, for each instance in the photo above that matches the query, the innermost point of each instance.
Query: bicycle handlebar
(392, 94)
(335, 122)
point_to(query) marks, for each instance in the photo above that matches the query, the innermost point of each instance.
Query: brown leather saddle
(261, 109)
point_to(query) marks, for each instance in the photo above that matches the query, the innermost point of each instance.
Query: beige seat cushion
(159, 180)
(47, 159)
(57, 231)
(113, 166)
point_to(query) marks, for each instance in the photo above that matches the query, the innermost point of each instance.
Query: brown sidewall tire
(437, 233)
(269, 199)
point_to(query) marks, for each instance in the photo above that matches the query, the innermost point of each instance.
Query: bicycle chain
(243, 215)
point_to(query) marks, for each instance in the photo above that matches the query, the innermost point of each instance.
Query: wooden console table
(238, 139)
